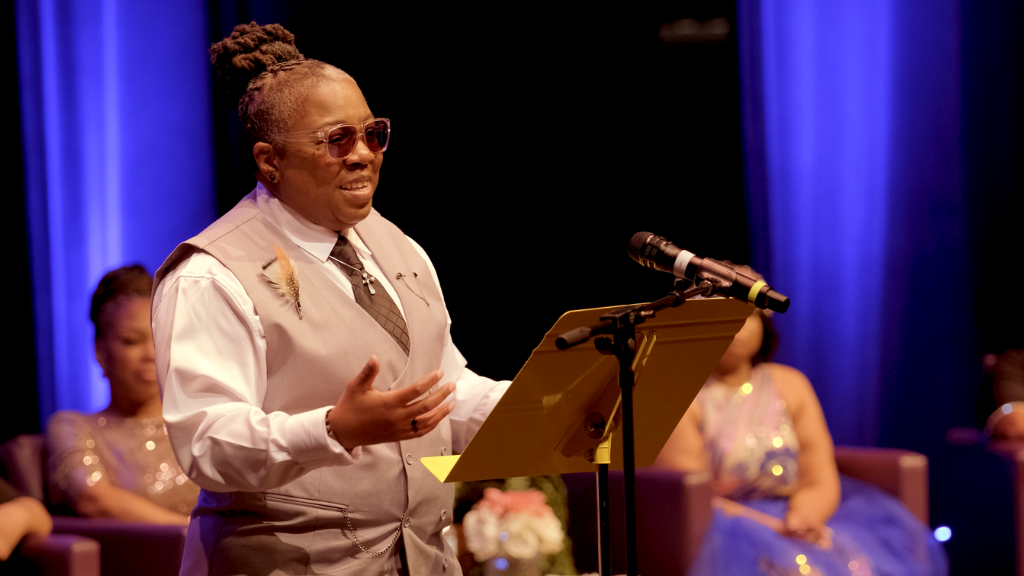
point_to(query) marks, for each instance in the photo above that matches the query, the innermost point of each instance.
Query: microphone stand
(621, 325)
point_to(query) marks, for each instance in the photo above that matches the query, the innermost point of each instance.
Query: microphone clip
(706, 288)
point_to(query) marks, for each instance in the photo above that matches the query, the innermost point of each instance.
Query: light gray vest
(303, 526)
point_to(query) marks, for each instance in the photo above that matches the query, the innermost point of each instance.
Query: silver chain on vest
(368, 278)
(355, 538)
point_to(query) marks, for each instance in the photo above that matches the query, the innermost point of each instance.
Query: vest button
(408, 459)
(407, 523)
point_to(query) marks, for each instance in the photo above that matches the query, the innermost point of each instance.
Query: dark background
(19, 409)
(993, 138)
(529, 146)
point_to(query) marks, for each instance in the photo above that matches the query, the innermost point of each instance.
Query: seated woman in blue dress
(781, 505)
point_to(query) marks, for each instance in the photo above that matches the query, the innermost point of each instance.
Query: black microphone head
(637, 244)
(777, 302)
(652, 251)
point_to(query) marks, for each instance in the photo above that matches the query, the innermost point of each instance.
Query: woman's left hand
(798, 526)
(794, 525)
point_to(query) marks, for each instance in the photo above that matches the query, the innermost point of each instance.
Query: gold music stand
(562, 410)
(553, 417)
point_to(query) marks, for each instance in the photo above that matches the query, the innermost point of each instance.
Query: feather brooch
(284, 278)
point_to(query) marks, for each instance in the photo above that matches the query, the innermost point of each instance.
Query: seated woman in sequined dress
(781, 506)
(118, 463)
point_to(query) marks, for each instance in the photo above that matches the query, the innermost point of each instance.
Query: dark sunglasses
(342, 139)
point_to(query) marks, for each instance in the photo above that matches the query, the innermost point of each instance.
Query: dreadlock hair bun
(249, 51)
(264, 74)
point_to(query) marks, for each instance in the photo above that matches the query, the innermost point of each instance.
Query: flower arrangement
(516, 524)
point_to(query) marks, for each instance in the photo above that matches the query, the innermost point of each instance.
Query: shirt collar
(313, 238)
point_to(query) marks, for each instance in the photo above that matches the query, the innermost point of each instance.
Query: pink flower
(500, 503)
(531, 502)
(494, 501)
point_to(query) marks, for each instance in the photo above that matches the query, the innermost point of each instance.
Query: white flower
(549, 531)
(514, 524)
(481, 530)
(521, 541)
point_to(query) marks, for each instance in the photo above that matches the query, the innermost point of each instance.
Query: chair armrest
(1012, 452)
(130, 547)
(978, 484)
(61, 555)
(901, 473)
(673, 511)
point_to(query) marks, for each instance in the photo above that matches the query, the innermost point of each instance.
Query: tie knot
(345, 253)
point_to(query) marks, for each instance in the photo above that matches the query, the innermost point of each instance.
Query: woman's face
(744, 347)
(125, 351)
(335, 193)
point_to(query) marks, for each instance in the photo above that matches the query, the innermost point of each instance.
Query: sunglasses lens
(340, 141)
(377, 133)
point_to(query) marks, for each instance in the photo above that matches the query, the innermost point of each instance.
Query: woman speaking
(303, 345)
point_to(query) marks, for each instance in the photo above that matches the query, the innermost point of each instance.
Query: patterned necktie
(376, 301)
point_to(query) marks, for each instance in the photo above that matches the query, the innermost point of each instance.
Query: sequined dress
(133, 454)
(754, 453)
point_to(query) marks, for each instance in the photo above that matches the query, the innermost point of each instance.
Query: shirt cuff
(306, 434)
(495, 394)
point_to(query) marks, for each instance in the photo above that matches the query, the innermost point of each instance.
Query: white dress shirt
(211, 358)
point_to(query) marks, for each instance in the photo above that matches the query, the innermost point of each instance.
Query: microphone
(655, 252)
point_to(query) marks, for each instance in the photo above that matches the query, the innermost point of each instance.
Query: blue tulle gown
(754, 454)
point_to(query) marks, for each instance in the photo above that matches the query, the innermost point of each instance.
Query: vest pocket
(333, 543)
(300, 501)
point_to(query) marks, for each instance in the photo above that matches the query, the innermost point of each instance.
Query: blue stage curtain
(851, 119)
(118, 161)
